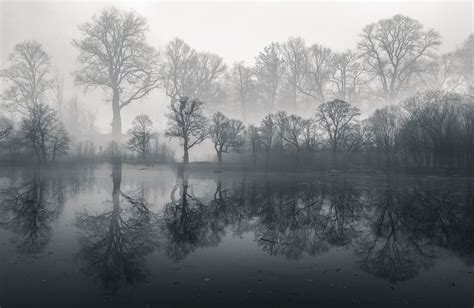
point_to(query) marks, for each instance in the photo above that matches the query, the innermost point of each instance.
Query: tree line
(395, 60)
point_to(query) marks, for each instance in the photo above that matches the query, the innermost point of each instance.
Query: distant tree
(309, 134)
(394, 50)
(187, 121)
(294, 55)
(140, 135)
(27, 78)
(243, 84)
(317, 72)
(226, 134)
(43, 133)
(281, 126)
(6, 127)
(188, 73)
(465, 62)
(269, 69)
(347, 76)
(336, 118)
(114, 55)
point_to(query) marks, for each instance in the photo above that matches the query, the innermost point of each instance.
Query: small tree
(187, 121)
(43, 133)
(140, 135)
(225, 134)
(254, 140)
(337, 118)
(293, 133)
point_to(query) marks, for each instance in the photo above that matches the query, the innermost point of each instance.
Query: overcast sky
(235, 31)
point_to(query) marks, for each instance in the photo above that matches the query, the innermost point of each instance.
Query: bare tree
(336, 118)
(114, 55)
(43, 133)
(347, 76)
(267, 131)
(465, 59)
(309, 134)
(254, 136)
(226, 134)
(386, 124)
(293, 133)
(318, 69)
(294, 54)
(394, 49)
(188, 73)
(269, 69)
(27, 77)
(186, 121)
(243, 82)
(140, 135)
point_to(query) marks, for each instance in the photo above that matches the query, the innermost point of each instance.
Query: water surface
(134, 236)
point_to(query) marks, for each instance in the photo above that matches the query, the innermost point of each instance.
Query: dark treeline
(396, 226)
(310, 105)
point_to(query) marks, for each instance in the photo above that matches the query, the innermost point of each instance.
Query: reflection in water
(394, 228)
(114, 243)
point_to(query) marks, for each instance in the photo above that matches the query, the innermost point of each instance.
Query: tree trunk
(185, 152)
(219, 158)
(116, 120)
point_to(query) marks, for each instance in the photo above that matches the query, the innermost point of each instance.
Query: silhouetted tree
(140, 135)
(114, 55)
(226, 134)
(269, 69)
(187, 122)
(6, 127)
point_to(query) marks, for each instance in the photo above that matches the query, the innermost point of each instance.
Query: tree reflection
(28, 210)
(187, 224)
(115, 243)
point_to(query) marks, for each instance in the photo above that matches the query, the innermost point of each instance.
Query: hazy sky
(235, 31)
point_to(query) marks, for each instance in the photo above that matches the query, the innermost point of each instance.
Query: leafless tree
(269, 69)
(281, 125)
(140, 135)
(347, 76)
(293, 133)
(267, 131)
(336, 118)
(188, 73)
(254, 136)
(386, 124)
(243, 84)
(43, 133)
(226, 134)
(294, 55)
(309, 134)
(394, 50)
(465, 60)
(317, 72)
(187, 121)
(27, 78)
(114, 55)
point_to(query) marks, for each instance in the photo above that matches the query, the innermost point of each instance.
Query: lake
(136, 236)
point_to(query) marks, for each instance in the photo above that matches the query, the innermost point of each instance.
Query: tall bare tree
(294, 55)
(317, 72)
(394, 50)
(243, 84)
(114, 55)
(27, 77)
(269, 68)
(226, 134)
(465, 57)
(187, 121)
(347, 76)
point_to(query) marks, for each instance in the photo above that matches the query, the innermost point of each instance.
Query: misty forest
(308, 176)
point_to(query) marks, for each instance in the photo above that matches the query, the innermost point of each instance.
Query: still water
(134, 236)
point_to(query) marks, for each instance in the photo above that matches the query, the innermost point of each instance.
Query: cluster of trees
(433, 129)
(395, 58)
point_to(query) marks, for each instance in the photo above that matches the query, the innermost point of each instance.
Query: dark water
(120, 236)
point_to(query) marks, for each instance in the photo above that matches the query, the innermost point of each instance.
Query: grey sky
(235, 31)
